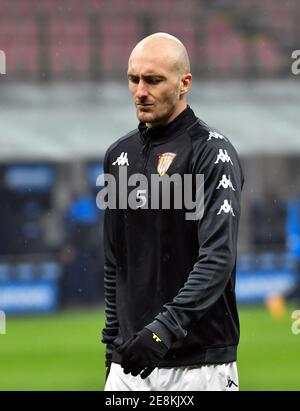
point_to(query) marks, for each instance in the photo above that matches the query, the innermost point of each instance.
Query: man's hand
(142, 353)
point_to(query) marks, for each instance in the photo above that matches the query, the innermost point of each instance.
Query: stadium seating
(226, 47)
(69, 47)
(75, 39)
(19, 39)
(114, 52)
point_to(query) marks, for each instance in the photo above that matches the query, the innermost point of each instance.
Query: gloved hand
(142, 353)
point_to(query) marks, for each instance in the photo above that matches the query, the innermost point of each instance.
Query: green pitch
(64, 352)
(55, 352)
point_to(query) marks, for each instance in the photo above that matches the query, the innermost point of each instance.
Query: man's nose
(141, 90)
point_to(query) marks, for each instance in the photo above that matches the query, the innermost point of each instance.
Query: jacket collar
(160, 134)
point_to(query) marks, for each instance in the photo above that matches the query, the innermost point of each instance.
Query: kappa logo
(122, 160)
(214, 134)
(225, 182)
(224, 157)
(164, 162)
(226, 208)
(230, 383)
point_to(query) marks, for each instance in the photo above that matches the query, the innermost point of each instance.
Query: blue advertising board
(28, 296)
(256, 286)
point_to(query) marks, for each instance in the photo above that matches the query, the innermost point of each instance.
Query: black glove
(142, 352)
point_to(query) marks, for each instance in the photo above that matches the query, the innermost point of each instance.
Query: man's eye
(154, 80)
(133, 80)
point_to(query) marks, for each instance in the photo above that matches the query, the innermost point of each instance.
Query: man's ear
(186, 83)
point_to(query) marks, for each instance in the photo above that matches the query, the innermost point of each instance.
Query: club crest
(164, 162)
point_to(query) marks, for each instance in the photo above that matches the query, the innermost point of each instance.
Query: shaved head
(164, 46)
(159, 78)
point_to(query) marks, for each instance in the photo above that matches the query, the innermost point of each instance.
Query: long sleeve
(217, 238)
(111, 328)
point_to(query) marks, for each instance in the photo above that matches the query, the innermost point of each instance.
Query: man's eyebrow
(153, 75)
(147, 75)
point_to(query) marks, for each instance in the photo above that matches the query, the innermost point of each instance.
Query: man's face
(155, 88)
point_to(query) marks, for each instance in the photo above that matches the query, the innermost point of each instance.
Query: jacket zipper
(146, 151)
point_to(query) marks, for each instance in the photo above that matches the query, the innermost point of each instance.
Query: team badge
(164, 162)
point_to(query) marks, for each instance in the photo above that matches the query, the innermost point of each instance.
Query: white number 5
(141, 196)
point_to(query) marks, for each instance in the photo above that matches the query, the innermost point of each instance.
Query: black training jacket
(172, 275)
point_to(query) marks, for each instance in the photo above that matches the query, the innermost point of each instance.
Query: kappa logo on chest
(122, 160)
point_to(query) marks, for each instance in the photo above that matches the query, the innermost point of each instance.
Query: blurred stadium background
(64, 99)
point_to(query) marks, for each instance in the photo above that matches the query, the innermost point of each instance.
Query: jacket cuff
(161, 331)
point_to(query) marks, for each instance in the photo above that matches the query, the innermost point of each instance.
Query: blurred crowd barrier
(51, 251)
(51, 240)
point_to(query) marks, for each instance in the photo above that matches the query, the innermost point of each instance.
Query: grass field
(64, 352)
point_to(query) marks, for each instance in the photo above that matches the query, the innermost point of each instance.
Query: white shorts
(221, 377)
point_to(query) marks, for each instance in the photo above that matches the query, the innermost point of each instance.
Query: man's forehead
(146, 73)
(154, 67)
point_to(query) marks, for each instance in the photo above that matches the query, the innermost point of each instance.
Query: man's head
(159, 78)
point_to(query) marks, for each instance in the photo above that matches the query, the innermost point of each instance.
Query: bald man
(171, 315)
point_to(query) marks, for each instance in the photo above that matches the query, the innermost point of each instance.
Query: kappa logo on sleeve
(164, 162)
(226, 208)
(224, 157)
(214, 134)
(225, 182)
(122, 160)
